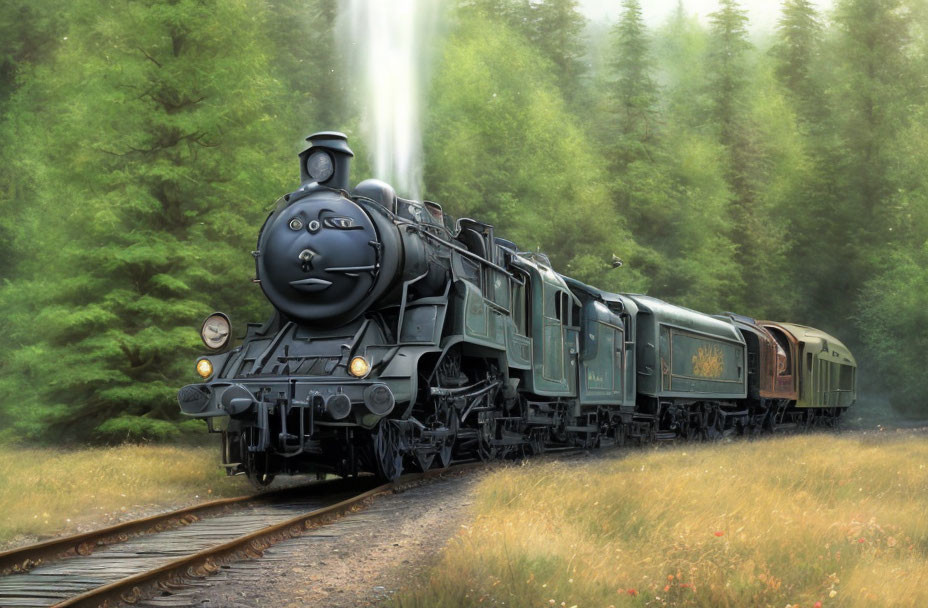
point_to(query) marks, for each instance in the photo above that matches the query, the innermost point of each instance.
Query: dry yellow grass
(791, 521)
(51, 491)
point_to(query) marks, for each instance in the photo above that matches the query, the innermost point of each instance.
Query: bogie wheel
(260, 481)
(537, 442)
(486, 433)
(836, 419)
(424, 457)
(712, 431)
(388, 452)
(690, 430)
(446, 449)
(257, 467)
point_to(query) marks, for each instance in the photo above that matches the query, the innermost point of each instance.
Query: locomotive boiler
(402, 338)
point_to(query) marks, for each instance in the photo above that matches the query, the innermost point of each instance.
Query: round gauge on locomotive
(216, 331)
(319, 166)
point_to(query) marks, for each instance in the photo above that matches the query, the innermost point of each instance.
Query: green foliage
(159, 143)
(501, 146)
(30, 31)
(727, 74)
(669, 178)
(306, 58)
(876, 81)
(552, 28)
(796, 49)
(556, 30)
(140, 148)
(892, 326)
(634, 90)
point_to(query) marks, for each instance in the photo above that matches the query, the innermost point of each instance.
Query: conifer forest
(780, 173)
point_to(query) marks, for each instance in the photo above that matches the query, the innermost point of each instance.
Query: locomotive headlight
(216, 331)
(204, 368)
(359, 367)
(319, 166)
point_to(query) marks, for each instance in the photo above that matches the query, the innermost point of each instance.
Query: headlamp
(319, 166)
(204, 368)
(359, 367)
(216, 331)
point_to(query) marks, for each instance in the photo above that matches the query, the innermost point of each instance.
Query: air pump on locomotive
(404, 339)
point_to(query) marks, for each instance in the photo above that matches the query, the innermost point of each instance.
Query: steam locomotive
(403, 339)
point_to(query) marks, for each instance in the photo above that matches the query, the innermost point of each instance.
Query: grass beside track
(789, 521)
(45, 492)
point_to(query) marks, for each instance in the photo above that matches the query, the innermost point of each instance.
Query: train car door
(554, 326)
(603, 361)
(552, 367)
(568, 313)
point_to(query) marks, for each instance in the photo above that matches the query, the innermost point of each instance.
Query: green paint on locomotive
(683, 353)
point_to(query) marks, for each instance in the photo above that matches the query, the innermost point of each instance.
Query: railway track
(141, 558)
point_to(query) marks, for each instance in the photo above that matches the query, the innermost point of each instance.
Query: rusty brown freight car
(771, 360)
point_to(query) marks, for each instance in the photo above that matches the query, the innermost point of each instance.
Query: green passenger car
(686, 354)
(827, 369)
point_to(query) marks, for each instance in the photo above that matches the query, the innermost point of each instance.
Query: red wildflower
(632, 592)
(861, 540)
(666, 588)
(719, 533)
(818, 605)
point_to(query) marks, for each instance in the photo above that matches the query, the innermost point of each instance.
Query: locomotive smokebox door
(326, 160)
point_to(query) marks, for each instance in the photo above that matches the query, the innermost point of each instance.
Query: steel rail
(169, 575)
(133, 588)
(22, 559)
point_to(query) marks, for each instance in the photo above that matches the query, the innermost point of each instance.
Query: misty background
(762, 15)
(764, 158)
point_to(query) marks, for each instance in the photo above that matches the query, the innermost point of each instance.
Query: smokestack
(326, 160)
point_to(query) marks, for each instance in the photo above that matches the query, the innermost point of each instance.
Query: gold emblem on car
(708, 362)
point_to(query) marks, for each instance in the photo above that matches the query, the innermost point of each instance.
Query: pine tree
(680, 47)
(810, 198)
(556, 28)
(727, 79)
(877, 83)
(502, 146)
(641, 188)
(635, 90)
(309, 63)
(796, 49)
(156, 176)
(872, 88)
(878, 229)
(728, 70)
(671, 190)
(29, 32)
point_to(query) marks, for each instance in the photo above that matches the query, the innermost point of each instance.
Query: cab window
(566, 312)
(519, 308)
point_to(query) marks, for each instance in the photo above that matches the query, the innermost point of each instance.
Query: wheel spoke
(447, 444)
(388, 451)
